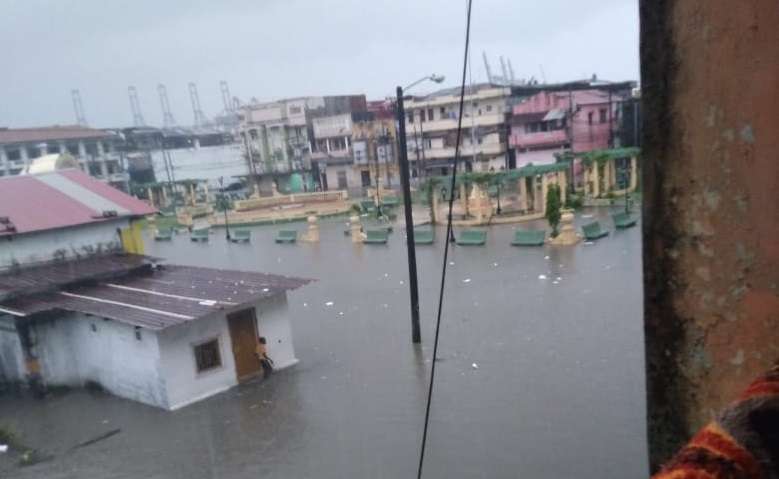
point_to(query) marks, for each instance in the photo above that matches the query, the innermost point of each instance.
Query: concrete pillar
(523, 194)
(103, 169)
(24, 155)
(207, 192)
(562, 182)
(464, 197)
(346, 142)
(82, 150)
(544, 190)
(633, 173)
(100, 149)
(3, 159)
(312, 235)
(63, 148)
(596, 179)
(434, 207)
(164, 190)
(150, 194)
(355, 228)
(192, 194)
(327, 144)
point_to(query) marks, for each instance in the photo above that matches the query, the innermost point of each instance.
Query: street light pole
(224, 206)
(416, 336)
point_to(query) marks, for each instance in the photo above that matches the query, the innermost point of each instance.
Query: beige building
(431, 129)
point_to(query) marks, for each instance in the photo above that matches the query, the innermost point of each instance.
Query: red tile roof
(50, 133)
(58, 200)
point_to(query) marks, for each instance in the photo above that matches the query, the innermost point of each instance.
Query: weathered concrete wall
(711, 226)
(71, 353)
(80, 240)
(11, 357)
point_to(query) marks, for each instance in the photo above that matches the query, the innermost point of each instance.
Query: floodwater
(538, 378)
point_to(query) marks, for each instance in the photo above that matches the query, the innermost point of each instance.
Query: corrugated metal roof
(50, 133)
(61, 199)
(160, 297)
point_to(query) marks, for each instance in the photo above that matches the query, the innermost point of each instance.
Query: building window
(14, 155)
(442, 111)
(489, 108)
(207, 355)
(589, 118)
(295, 110)
(253, 134)
(421, 116)
(430, 114)
(342, 184)
(603, 114)
(411, 117)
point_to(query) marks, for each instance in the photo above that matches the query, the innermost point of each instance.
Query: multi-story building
(280, 137)
(578, 117)
(374, 148)
(94, 149)
(431, 129)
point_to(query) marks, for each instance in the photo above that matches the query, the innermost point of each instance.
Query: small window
(603, 115)
(253, 134)
(430, 114)
(589, 118)
(411, 117)
(422, 116)
(489, 108)
(442, 111)
(207, 355)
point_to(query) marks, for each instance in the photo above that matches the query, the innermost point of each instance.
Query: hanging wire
(446, 243)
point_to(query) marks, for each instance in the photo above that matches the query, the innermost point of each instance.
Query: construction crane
(504, 70)
(226, 98)
(511, 70)
(135, 106)
(199, 117)
(487, 66)
(167, 116)
(78, 107)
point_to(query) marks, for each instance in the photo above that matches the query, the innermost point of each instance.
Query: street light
(416, 336)
(223, 203)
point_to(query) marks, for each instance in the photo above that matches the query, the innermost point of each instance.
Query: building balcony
(451, 123)
(465, 151)
(541, 138)
(334, 156)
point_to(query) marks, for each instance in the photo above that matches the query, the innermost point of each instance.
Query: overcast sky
(272, 49)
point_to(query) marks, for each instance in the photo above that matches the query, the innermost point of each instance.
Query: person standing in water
(262, 354)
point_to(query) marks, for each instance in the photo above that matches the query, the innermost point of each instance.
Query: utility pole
(416, 335)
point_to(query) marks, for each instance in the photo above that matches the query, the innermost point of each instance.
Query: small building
(80, 304)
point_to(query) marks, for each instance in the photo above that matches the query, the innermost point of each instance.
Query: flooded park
(540, 373)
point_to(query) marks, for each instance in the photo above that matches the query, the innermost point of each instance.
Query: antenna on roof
(78, 107)
(135, 106)
(487, 66)
(199, 117)
(167, 116)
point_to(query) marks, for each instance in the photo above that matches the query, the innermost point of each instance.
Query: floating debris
(586, 216)
(475, 366)
(467, 280)
(265, 290)
(555, 282)
(305, 305)
(340, 313)
(588, 243)
(559, 278)
(329, 303)
(3, 448)
(546, 257)
(386, 275)
(402, 282)
(541, 276)
(451, 263)
(495, 264)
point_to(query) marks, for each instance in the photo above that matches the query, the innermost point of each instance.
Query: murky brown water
(559, 389)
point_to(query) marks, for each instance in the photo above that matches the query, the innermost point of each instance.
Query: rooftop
(157, 297)
(50, 133)
(61, 199)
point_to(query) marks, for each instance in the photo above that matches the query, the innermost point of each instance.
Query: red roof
(62, 199)
(50, 133)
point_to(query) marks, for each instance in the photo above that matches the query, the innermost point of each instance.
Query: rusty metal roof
(159, 297)
(50, 133)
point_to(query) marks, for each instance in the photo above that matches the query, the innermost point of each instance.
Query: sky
(271, 49)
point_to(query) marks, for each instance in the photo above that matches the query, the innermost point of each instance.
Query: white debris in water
(207, 302)
(559, 278)
(475, 366)
(451, 263)
(495, 264)
(401, 282)
(104, 421)
(3, 448)
(340, 313)
(588, 243)
(386, 275)
(305, 305)
(546, 257)
(555, 282)
(265, 290)
(586, 216)
(329, 303)
(467, 280)
(541, 276)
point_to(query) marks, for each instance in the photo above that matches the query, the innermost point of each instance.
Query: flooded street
(557, 389)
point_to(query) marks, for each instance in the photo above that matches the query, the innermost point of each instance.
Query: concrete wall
(203, 163)
(72, 353)
(36, 247)
(710, 177)
(183, 383)
(11, 357)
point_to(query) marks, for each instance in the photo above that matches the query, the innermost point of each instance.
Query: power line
(446, 246)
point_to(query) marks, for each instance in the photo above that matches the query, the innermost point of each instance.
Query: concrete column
(633, 173)
(544, 190)
(150, 194)
(100, 149)
(562, 182)
(63, 147)
(596, 180)
(3, 159)
(522, 194)
(464, 197)
(82, 150)
(207, 192)
(164, 195)
(434, 207)
(192, 194)
(346, 142)
(327, 144)
(24, 155)
(104, 169)
(355, 227)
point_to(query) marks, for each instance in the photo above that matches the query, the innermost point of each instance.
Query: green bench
(593, 231)
(623, 220)
(240, 236)
(376, 236)
(529, 238)
(472, 238)
(200, 235)
(390, 201)
(163, 234)
(423, 236)
(368, 206)
(286, 236)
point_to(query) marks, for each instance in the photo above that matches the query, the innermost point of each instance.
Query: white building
(78, 306)
(94, 149)
(431, 129)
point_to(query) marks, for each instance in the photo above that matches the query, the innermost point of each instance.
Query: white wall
(273, 322)
(11, 356)
(36, 247)
(203, 163)
(71, 353)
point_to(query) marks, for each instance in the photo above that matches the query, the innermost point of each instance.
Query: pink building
(549, 122)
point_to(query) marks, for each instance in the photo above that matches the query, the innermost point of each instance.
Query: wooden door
(243, 332)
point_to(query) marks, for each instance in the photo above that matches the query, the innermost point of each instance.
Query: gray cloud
(275, 48)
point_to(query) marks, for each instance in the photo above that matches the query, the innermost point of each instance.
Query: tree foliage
(553, 206)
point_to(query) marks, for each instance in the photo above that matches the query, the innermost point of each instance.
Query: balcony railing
(554, 137)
